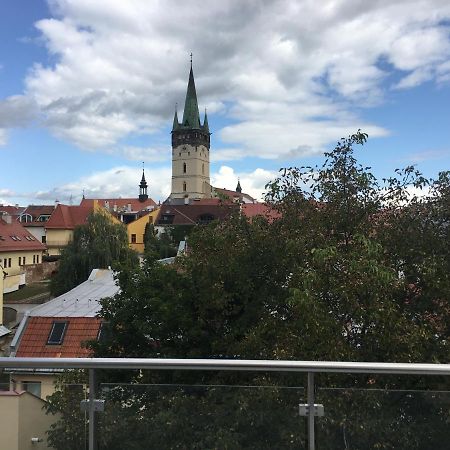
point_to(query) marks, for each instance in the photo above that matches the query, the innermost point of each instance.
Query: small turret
(205, 124)
(143, 187)
(175, 121)
(238, 187)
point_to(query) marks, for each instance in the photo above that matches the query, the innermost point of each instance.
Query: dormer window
(57, 333)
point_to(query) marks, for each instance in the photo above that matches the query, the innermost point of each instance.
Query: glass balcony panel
(200, 417)
(383, 419)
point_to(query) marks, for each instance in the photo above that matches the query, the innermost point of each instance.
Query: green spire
(205, 123)
(175, 121)
(191, 117)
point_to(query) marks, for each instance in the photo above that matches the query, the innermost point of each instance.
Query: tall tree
(330, 279)
(98, 244)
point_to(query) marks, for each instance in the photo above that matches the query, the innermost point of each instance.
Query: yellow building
(18, 248)
(24, 422)
(61, 225)
(136, 230)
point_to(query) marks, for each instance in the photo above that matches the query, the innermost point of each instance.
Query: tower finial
(191, 60)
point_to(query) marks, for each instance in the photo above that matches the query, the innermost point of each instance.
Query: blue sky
(88, 89)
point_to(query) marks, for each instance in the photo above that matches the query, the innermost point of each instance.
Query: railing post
(310, 394)
(92, 437)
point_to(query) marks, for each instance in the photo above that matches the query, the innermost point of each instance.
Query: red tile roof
(12, 210)
(121, 203)
(14, 237)
(234, 194)
(35, 211)
(79, 329)
(68, 217)
(259, 209)
(194, 213)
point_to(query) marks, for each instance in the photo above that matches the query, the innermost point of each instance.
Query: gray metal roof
(82, 300)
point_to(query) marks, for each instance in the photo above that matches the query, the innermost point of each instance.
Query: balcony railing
(310, 404)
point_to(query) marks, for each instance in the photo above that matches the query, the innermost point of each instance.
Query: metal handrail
(225, 365)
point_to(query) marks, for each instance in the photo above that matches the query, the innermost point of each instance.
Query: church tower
(190, 150)
(143, 196)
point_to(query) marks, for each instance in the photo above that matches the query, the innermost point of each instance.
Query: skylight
(57, 333)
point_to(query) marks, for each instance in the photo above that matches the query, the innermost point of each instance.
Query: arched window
(184, 186)
(184, 167)
(203, 169)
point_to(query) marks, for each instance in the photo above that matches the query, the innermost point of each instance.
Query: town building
(126, 210)
(18, 248)
(60, 227)
(24, 422)
(59, 328)
(34, 219)
(136, 229)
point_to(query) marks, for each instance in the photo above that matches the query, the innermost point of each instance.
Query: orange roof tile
(68, 217)
(79, 329)
(259, 209)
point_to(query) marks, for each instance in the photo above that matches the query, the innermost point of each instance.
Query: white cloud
(252, 183)
(3, 137)
(286, 72)
(120, 181)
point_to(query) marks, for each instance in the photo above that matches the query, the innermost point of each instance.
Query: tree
(158, 247)
(330, 279)
(98, 244)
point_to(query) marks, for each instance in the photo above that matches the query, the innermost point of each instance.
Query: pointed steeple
(175, 120)
(238, 187)
(191, 117)
(205, 123)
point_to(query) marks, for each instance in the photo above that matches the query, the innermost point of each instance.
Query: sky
(88, 90)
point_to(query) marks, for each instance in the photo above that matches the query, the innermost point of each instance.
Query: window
(104, 332)
(184, 167)
(57, 333)
(24, 260)
(33, 387)
(203, 169)
(184, 186)
(20, 260)
(133, 239)
(9, 262)
(34, 259)
(44, 239)
(4, 263)
(166, 218)
(37, 259)
(204, 219)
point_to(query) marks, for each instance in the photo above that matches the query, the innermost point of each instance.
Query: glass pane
(70, 425)
(383, 419)
(200, 417)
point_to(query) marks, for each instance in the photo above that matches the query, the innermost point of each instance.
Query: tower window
(184, 167)
(184, 186)
(203, 169)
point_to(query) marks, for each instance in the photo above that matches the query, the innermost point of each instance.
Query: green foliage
(354, 269)
(158, 247)
(98, 244)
